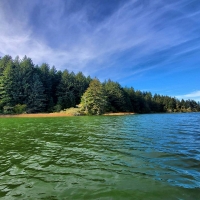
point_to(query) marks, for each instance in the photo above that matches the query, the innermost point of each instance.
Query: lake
(151, 156)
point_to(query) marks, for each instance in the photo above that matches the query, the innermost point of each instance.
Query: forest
(29, 88)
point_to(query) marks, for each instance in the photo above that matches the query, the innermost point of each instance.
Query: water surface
(155, 156)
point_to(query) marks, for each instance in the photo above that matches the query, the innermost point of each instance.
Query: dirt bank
(61, 114)
(119, 113)
(40, 115)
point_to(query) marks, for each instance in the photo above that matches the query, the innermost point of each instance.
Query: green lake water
(155, 156)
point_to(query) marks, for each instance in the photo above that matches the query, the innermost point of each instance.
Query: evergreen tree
(3, 63)
(55, 81)
(133, 99)
(24, 78)
(81, 85)
(117, 99)
(94, 100)
(7, 85)
(24, 86)
(65, 91)
(45, 77)
(36, 99)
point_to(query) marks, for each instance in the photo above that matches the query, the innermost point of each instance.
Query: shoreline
(119, 114)
(38, 115)
(59, 115)
(62, 114)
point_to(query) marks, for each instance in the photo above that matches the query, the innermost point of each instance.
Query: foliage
(118, 100)
(8, 110)
(72, 111)
(66, 88)
(40, 88)
(94, 100)
(25, 87)
(19, 109)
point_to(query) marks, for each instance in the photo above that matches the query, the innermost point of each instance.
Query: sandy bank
(61, 114)
(40, 115)
(119, 113)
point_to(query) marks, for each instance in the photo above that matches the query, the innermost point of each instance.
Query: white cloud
(144, 29)
(193, 95)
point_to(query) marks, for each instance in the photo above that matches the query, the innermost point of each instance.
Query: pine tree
(7, 85)
(45, 77)
(36, 99)
(65, 91)
(117, 98)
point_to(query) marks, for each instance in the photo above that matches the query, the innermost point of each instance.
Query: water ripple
(122, 157)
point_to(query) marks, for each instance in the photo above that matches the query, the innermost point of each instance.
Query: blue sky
(150, 45)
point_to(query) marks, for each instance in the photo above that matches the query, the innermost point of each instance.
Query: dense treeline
(111, 97)
(25, 87)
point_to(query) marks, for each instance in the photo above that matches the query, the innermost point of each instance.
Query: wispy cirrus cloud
(89, 36)
(193, 95)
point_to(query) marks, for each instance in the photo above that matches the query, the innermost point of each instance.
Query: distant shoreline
(59, 115)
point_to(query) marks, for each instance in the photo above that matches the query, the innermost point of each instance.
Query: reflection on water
(110, 157)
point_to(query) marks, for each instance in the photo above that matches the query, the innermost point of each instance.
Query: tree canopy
(25, 87)
(94, 99)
